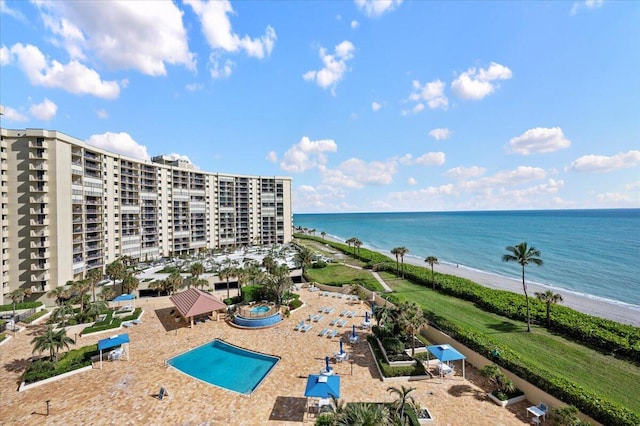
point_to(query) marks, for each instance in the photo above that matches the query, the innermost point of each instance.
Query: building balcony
(42, 199)
(39, 210)
(38, 188)
(39, 177)
(40, 266)
(39, 288)
(39, 233)
(38, 156)
(39, 144)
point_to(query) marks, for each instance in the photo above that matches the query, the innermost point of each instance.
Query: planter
(507, 401)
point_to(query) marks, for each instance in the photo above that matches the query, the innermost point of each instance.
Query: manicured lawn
(605, 375)
(339, 275)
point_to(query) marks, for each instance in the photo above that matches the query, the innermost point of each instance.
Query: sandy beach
(626, 314)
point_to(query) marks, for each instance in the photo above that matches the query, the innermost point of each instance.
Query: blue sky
(367, 105)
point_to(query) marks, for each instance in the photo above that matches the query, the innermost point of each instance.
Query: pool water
(262, 309)
(226, 366)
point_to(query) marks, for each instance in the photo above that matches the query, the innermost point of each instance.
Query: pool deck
(124, 392)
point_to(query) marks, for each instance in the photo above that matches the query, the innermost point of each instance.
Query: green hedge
(389, 371)
(32, 318)
(602, 334)
(44, 368)
(252, 293)
(295, 304)
(19, 306)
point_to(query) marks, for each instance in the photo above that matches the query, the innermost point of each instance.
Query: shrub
(295, 304)
(2, 337)
(389, 371)
(232, 300)
(392, 345)
(32, 318)
(319, 264)
(19, 306)
(252, 293)
(43, 368)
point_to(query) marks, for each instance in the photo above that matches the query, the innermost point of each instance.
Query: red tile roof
(194, 302)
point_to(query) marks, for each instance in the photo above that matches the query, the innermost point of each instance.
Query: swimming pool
(262, 309)
(227, 366)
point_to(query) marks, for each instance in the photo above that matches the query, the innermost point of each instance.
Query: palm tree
(403, 397)
(411, 319)
(363, 414)
(432, 260)
(242, 274)
(60, 293)
(523, 254)
(196, 269)
(549, 298)
(115, 270)
(201, 283)
(94, 276)
(356, 245)
(52, 341)
(173, 282)
(269, 263)
(130, 283)
(107, 294)
(303, 258)
(225, 274)
(80, 287)
(350, 241)
(402, 251)
(96, 308)
(17, 296)
(61, 313)
(396, 251)
(323, 234)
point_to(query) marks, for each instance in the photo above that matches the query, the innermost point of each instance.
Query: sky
(367, 105)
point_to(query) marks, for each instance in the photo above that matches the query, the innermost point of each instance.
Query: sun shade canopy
(193, 302)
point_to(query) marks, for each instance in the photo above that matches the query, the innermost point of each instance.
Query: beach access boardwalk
(126, 391)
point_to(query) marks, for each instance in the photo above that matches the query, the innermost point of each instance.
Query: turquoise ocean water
(589, 252)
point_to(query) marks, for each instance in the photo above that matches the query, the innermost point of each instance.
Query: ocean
(589, 252)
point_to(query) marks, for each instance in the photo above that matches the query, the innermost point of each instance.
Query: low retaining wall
(24, 387)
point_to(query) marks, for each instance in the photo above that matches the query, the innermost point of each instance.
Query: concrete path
(375, 275)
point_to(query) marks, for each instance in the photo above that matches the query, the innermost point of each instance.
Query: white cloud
(272, 157)
(634, 186)
(376, 106)
(120, 143)
(440, 134)
(587, 4)
(431, 159)
(14, 13)
(616, 198)
(356, 173)
(432, 93)
(123, 34)
(194, 87)
(604, 164)
(375, 8)
(216, 26)
(180, 157)
(11, 114)
(539, 140)
(354, 25)
(465, 172)
(218, 70)
(45, 110)
(334, 66)
(412, 181)
(307, 154)
(102, 113)
(73, 77)
(5, 56)
(310, 199)
(476, 84)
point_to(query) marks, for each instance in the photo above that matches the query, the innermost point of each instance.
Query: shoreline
(591, 305)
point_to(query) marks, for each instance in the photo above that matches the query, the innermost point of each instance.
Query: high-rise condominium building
(69, 207)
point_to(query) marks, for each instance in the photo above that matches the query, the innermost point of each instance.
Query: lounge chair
(342, 323)
(322, 309)
(323, 332)
(313, 317)
(351, 314)
(328, 310)
(137, 321)
(318, 318)
(343, 313)
(332, 334)
(299, 326)
(334, 321)
(306, 328)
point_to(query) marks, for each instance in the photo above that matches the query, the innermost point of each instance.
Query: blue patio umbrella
(326, 363)
(353, 333)
(366, 316)
(322, 386)
(341, 350)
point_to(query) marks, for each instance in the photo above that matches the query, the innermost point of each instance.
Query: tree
(196, 269)
(523, 254)
(201, 283)
(80, 287)
(549, 298)
(61, 313)
(227, 272)
(363, 414)
(402, 251)
(303, 258)
(411, 319)
(96, 308)
(279, 282)
(173, 282)
(52, 341)
(404, 396)
(269, 263)
(349, 242)
(242, 276)
(130, 283)
(94, 276)
(356, 245)
(116, 271)
(501, 382)
(107, 294)
(396, 252)
(323, 234)
(17, 296)
(432, 260)
(60, 293)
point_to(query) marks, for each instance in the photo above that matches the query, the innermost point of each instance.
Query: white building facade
(69, 207)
